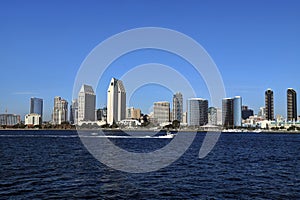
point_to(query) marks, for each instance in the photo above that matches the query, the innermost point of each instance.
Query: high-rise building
(246, 112)
(219, 116)
(133, 113)
(237, 111)
(197, 112)
(60, 111)
(227, 112)
(177, 110)
(291, 105)
(74, 112)
(116, 101)
(212, 116)
(269, 104)
(36, 106)
(161, 112)
(86, 104)
(232, 112)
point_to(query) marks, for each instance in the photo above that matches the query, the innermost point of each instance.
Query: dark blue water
(55, 164)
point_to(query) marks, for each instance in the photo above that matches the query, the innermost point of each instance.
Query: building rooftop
(87, 89)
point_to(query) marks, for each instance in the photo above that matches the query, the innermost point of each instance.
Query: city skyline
(247, 40)
(87, 92)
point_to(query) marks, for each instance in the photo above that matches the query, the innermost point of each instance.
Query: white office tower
(60, 111)
(86, 103)
(116, 101)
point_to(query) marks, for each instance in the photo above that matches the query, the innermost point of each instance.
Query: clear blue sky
(255, 45)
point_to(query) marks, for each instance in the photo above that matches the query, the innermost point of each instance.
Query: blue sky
(255, 45)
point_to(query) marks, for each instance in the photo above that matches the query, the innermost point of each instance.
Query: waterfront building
(237, 111)
(291, 105)
(232, 112)
(197, 112)
(60, 111)
(177, 110)
(36, 106)
(246, 112)
(161, 112)
(74, 112)
(9, 119)
(133, 113)
(227, 112)
(212, 116)
(116, 101)
(269, 104)
(86, 104)
(33, 119)
(219, 116)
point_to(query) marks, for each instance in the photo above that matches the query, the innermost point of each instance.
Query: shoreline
(234, 131)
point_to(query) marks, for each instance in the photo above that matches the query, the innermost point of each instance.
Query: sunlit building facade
(197, 111)
(116, 101)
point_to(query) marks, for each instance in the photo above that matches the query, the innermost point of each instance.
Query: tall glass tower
(237, 111)
(269, 102)
(36, 106)
(232, 112)
(197, 112)
(291, 104)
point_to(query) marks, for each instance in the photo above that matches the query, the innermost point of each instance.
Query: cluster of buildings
(233, 113)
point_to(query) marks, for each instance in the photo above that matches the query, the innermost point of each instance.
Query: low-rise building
(9, 119)
(33, 119)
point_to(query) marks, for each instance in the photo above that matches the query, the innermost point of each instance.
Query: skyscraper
(232, 111)
(227, 112)
(74, 112)
(291, 105)
(86, 104)
(197, 112)
(116, 101)
(269, 104)
(237, 111)
(161, 112)
(177, 107)
(36, 106)
(60, 111)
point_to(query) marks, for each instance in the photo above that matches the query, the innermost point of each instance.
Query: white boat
(169, 134)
